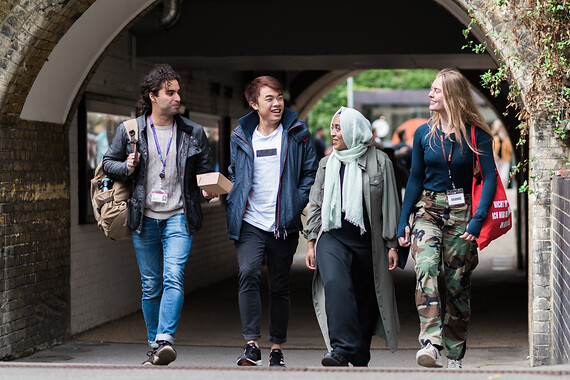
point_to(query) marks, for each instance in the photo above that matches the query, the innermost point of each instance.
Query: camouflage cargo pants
(435, 238)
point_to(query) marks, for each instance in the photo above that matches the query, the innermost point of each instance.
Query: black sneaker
(163, 355)
(334, 359)
(251, 355)
(276, 358)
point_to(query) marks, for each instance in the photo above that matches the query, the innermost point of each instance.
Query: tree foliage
(394, 79)
(323, 111)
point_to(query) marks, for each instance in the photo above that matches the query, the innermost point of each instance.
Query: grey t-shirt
(171, 182)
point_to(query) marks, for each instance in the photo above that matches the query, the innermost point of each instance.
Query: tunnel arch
(84, 39)
(75, 55)
(49, 49)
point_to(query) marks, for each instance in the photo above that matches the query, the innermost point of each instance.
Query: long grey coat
(383, 208)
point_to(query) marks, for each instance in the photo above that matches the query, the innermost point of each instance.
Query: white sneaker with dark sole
(428, 357)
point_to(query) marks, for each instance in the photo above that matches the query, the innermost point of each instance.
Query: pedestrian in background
(402, 151)
(436, 215)
(320, 144)
(273, 165)
(352, 245)
(164, 211)
(502, 150)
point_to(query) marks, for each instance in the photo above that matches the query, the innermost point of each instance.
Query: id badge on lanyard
(455, 196)
(160, 195)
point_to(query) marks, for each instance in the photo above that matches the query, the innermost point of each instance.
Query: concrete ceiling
(304, 35)
(314, 45)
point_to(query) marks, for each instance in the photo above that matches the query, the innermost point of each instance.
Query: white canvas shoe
(428, 356)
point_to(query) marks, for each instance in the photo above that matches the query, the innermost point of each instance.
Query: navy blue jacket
(298, 169)
(429, 171)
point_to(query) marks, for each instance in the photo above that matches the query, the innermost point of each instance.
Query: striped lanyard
(163, 161)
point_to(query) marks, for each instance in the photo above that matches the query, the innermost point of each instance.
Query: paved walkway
(89, 360)
(209, 339)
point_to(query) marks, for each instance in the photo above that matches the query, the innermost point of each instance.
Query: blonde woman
(352, 245)
(436, 219)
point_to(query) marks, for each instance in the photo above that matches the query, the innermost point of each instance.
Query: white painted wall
(105, 283)
(54, 89)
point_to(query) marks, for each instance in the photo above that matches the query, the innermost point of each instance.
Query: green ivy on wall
(549, 24)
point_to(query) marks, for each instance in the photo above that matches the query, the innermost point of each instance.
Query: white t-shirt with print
(262, 199)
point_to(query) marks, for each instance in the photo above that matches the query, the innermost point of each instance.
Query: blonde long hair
(459, 105)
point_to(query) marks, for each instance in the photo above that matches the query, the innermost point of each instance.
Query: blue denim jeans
(162, 250)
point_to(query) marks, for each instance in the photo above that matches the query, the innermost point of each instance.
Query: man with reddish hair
(273, 166)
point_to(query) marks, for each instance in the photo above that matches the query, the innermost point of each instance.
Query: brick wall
(34, 221)
(29, 30)
(561, 268)
(34, 184)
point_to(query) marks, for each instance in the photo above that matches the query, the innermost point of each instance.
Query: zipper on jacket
(276, 232)
(245, 141)
(181, 175)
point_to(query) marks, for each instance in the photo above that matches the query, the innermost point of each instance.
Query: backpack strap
(132, 128)
(133, 131)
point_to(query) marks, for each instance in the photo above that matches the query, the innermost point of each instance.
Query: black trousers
(253, 245)
(346, 270)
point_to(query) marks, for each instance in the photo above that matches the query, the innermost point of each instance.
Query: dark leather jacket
(192, 156)
(298, 169)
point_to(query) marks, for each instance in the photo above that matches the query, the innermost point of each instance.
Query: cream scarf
(356, 133)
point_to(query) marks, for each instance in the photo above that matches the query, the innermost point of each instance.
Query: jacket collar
(181, 122)
(361, 160)
(250, 121)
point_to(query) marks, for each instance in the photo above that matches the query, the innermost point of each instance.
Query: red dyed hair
(252, 89)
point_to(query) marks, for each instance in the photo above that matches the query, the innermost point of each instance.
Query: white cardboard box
(214, 182)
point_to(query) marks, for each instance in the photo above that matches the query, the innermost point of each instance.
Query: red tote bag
(499, 218)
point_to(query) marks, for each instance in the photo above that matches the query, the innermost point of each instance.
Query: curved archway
(73, 36)
(319, 88)
(73, 58)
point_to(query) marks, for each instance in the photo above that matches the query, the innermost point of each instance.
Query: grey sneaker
(428, 356)
(454, 363)
(163, 355)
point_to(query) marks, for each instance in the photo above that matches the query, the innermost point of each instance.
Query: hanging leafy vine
(548, 22)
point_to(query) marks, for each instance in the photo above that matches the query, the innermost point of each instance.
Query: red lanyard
(447, 158)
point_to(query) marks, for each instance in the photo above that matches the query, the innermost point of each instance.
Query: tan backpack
(110, 198)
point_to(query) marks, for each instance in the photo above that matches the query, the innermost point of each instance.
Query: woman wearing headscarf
(352, 245)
